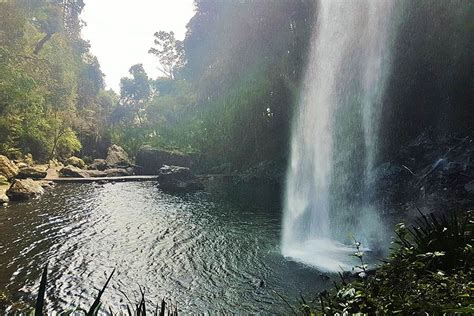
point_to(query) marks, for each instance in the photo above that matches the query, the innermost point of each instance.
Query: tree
(170, 53)
(49, 82)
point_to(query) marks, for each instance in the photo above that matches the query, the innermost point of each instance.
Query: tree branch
(41, 43)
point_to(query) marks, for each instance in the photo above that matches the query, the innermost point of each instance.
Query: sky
(121, 32)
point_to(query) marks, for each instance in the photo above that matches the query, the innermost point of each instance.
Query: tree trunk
(41, 43)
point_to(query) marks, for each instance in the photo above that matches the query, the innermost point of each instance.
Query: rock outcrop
(97, 173)
(118, 172)
(117, 157)
(98, 164)
(32, 172)
(178, 179)
(76, 162)
(24, 189)
(3, 193)
(7, 168)
(73, 172)
(149, 160)
(431, 173)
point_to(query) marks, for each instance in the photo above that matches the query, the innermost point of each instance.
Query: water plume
(334, 137)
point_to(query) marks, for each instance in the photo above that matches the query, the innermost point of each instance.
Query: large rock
(97, 173)
(76, 162)
(26, 161)
(32, 172)
(149, 160)
(98, 164)
(73, 172)
(3, 193)
(54, 163)
(7, 168)
(117, 157)
(24, 189)
(3, 198)
(178, 179)
(21, 164)
(118, 172)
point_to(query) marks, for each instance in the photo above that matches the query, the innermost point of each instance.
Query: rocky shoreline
(21, 180)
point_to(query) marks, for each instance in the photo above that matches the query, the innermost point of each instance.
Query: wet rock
(117, 157)
(97, 173)
(24, 189)
(76, 162)
(46, 184)
(32, 172)
(7, 168)
(73, 172)
(178, 179)
(118, 172)
(98, 164)
(149, 160)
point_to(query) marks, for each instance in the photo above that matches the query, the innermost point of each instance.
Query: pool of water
(205, 252)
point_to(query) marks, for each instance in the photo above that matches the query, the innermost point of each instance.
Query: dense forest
(216, 83)
(238, 69)
(230, 97)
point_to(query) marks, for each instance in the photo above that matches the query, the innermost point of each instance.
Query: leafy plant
(430, 270)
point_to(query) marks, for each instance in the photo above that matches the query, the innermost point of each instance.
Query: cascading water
(334, 142)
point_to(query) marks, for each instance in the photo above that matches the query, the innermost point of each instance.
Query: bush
(430, 271)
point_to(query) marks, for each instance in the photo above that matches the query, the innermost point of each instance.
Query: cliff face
(430, 86)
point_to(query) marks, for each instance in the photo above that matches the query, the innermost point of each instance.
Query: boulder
(3, 193)
(178, 179)
(73, 172)
(28, 159)
(76, 162)
(97, 173)
(21, 164)
(3, 198)
(7, 168)
(149, 160)
(24, 162)
(98, 164)
(32, 172)
(118, 172)
(45, 184)
(4, 181)
(54, 163)
(117, 157)
(24, 189)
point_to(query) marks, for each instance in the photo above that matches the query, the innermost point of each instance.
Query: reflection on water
(203, 253)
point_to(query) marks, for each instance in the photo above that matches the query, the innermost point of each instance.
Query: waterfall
(334, 137)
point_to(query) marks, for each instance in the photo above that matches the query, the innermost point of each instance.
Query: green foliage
(231, 99)
(245, 60)
(170, 53)
(48, 80)
(429, 271)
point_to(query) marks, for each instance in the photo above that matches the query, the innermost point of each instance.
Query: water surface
(200, 250)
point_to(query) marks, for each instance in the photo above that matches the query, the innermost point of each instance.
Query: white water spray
(334, 141)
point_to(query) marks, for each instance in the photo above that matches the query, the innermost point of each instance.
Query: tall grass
(138, 309)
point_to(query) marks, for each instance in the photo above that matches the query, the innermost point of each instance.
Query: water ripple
(205, 255)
